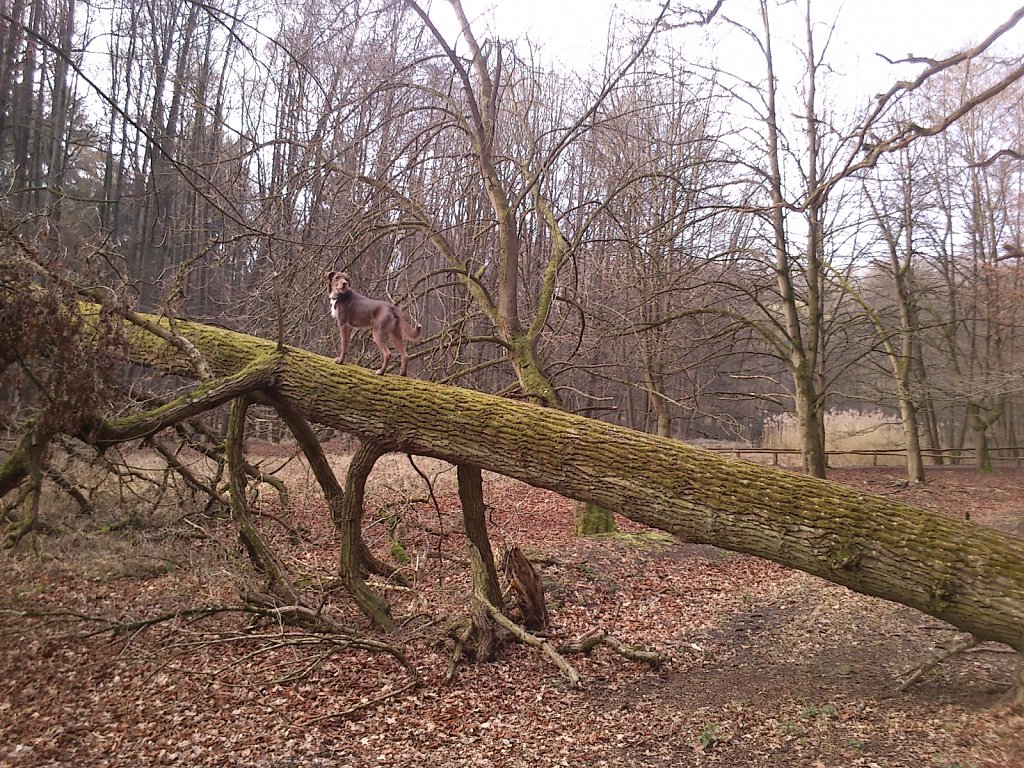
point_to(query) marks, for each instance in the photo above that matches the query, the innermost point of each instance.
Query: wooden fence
(949, 456)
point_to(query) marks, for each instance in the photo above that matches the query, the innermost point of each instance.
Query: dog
(353, 310)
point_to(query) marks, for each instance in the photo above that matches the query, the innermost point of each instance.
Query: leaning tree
(960, 572)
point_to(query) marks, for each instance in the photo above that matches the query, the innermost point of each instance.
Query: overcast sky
(577, 30)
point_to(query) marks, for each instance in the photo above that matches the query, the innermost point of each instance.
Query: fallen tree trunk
(968, 575)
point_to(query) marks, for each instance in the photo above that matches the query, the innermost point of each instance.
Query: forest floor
(769, 666)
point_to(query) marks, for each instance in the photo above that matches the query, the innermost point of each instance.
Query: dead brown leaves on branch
(48, 364)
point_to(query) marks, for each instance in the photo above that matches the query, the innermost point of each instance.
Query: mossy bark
(30, 457)
(486, 590)
(346, 510)
(592, 519)
(262, 556)
(481, 556)
(955, 570)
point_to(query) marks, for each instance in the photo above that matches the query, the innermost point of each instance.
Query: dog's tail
(410, 330)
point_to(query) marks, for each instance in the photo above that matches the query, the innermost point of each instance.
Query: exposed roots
(522, 635)
(477, 635)
(938, 655)
(598, 637)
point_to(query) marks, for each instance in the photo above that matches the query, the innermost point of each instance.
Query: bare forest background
(657, 241)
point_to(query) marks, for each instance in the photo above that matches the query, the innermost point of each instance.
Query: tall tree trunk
(10, 44)
(801, 341)
(979, 426)
(59, 106)
(24, 116)
(655, 379)
(912, 440)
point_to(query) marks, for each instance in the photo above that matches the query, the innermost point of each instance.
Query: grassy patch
(814, 711)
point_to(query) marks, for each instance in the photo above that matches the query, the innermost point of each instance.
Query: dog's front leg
(344, 334)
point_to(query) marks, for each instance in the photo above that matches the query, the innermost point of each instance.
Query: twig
(990, 649)
(433, 498)
(69, 488)
(186, 474)
(133, 627)
(461, 638)
(172, 337)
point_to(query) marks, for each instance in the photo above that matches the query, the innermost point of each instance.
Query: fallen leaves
(769, 666)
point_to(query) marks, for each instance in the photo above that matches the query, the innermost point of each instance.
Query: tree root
(476, 635)
(482, 626)
(522, 635)
(597, 637)
(938, 655)
(461, 633)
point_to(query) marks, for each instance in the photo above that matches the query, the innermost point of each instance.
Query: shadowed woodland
(610, 267)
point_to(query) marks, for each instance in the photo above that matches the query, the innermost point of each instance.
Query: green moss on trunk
(593, 519)
(968, 575)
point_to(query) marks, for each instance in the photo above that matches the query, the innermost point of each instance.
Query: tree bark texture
(346, 510)
(527, 589)
(486, 590)
(968, 575)
(481, 556)
(260, 553)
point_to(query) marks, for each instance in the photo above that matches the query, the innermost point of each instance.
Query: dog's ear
(329, 275)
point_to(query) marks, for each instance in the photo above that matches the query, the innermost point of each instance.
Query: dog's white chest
(334, 308)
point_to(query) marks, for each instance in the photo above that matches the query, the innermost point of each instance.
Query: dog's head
(337, 284)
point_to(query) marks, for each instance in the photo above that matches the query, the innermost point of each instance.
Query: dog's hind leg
(400, 347)
(380, 338)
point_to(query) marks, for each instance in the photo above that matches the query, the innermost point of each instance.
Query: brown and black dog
(353, 310)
